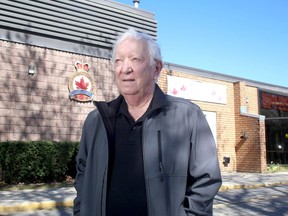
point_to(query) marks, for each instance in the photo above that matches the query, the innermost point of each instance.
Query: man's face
(134, 75)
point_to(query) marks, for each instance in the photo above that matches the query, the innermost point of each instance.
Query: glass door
(277, 140)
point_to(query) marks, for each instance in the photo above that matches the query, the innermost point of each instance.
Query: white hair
(154, 51)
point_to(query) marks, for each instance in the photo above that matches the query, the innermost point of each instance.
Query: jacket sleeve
(204, 178)
(80, 168)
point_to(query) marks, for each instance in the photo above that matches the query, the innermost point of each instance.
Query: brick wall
(38, 107)
(250, 130)
(250, 146)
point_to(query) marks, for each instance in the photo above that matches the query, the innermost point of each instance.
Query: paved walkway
(24, 200)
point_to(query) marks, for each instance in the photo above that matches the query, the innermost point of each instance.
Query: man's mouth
(128, 80)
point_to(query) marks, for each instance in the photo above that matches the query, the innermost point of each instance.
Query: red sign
(273, 101)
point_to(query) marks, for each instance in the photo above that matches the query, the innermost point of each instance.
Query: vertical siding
(62, 24)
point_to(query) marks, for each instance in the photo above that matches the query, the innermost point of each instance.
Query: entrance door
(277, 140)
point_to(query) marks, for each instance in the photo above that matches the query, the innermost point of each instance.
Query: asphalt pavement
(32, 199)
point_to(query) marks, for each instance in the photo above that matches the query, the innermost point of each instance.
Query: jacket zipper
(103, 201)
(161, 167)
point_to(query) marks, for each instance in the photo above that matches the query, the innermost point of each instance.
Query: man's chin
(127, 90)
(128, 93)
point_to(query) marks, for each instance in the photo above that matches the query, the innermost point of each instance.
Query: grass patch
(277, 168)
(69, 182)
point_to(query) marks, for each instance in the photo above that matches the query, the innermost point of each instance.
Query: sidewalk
(24, 200)
(252, 180)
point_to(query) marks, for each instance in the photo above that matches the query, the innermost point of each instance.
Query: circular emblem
(81, 85)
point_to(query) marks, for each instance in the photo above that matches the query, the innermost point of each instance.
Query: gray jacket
(180, 160)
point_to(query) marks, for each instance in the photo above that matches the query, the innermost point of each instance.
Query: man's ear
(158, 67)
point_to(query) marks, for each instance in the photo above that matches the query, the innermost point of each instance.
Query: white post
(136, 3)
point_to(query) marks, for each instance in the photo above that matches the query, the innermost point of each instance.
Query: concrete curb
(35, 199)
(250, 186)
(30, 206)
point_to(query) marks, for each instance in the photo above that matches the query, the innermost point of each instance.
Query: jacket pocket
(166, 197)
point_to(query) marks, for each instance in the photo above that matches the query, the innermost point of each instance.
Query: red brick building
(41, 41)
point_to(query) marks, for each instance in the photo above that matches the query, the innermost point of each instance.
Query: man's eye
(136, 60)
(118, 61)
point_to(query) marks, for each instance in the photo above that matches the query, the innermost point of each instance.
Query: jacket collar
(159, 99)
(109, 109)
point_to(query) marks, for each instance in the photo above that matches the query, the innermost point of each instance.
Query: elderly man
(145, 153)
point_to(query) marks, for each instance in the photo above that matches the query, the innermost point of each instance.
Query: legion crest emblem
(81, 85)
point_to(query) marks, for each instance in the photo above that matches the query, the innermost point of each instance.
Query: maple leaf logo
(82, 84)
(174, 91)
(183, 88)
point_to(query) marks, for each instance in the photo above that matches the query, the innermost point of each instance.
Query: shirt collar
(159, 100)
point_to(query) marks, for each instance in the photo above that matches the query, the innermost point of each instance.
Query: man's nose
(127, 67)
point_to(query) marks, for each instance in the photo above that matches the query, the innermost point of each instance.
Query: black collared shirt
(127, 193)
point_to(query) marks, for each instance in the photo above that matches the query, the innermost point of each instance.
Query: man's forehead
(131, 45)
(133, 41)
